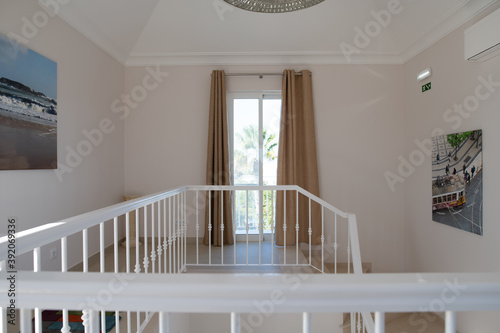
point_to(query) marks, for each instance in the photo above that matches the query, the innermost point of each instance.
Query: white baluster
(297, 227)
(25, 322)
(64, 268)
(450, 322)
(284, 226)
(139, 318)
(174, 240)
(163, 322)
(209, 227)
(86, 320)
(103, 320)
(165, 239)
(129, 322)
(85, 239)
(170, 235)
(222, 227)
(261, 210)
(184, 221)
(178, 234)
(234, 231)
(272, 227)
(37, 268)
(306, 323)
(3, 321)
(93, 321)
(137, 260)
(247, 226)
(127, 240)
(153, 249)
(310, 233)
(158, 249)
(348, 249)
(335, 244)
(380, 322)
(145, 260)
(64, 254)
(116, 268)
(322, 238)
(197, 230)
(101, 246)
(183, 195)
(115, 244)
(235, 323)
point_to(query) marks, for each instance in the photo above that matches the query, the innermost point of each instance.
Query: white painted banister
(224, 293)
(168, 242)
(51, 232)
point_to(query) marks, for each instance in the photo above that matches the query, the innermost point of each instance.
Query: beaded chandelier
(273, 6)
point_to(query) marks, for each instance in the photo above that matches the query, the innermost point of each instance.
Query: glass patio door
(255, 122)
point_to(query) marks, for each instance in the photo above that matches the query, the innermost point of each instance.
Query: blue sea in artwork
(28, 108)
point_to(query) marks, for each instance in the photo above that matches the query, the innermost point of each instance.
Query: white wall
(88, 81)
(431, 246)
(359, 117)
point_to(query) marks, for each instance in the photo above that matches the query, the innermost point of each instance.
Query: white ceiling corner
(210, 32)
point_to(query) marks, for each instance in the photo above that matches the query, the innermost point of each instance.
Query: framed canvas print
(28, 108)
(457, 180)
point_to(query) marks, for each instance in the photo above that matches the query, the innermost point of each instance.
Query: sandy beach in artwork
(12, 120)
(26, 144)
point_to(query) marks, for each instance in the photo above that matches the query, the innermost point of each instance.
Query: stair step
(416, 323)
(342, 267)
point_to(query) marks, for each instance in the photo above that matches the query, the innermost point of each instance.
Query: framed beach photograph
(457, 180)
(28, 108)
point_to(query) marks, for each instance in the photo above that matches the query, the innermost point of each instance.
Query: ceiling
(186, 32)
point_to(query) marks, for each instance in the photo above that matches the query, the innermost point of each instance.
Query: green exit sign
(426, 87)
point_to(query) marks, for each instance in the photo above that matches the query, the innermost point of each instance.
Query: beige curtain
(297, 161)
(219, 211)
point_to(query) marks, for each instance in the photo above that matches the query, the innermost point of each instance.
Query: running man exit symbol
(426, 87)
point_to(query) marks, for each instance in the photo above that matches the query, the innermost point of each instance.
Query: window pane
(247, 151)
(271, 116)
(246, 141)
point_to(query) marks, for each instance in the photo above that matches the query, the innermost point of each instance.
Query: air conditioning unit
(482, 40)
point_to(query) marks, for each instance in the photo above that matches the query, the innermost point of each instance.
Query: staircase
(416, 322)
(401, 322)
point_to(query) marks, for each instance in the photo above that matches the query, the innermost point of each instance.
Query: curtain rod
(260, 75)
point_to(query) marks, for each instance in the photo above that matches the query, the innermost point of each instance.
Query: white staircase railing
(138, 282)
(229, 293)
